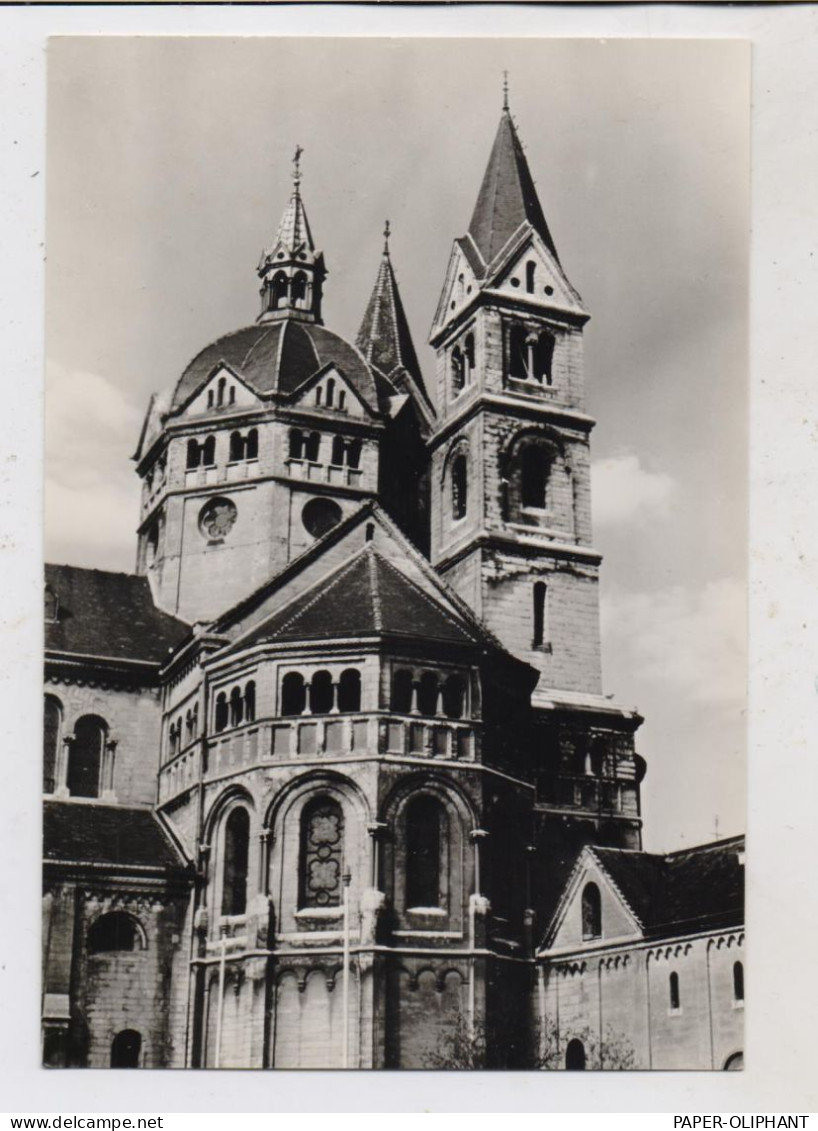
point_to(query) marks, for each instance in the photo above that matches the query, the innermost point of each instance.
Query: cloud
(692, 644)
(91, 490)
(622, 489)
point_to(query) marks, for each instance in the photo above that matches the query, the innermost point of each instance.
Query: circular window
(320, 515)
(515, 282)
(217, 518)
(549, 290)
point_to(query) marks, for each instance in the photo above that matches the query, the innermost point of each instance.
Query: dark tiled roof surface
(108, 614)
(695, 888)
(384, 337)
(367, 596)
(88, 833)
(507, 196)
(278, 357)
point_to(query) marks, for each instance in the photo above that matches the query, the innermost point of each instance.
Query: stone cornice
(533, 409)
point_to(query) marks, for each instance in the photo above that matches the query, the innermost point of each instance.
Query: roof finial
(386, 233)
(297, 166)
(505, 90)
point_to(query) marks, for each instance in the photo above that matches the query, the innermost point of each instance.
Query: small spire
(297, 167)
(505, 90)
(386, 233)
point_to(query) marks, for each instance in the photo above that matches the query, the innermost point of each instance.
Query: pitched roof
(384, 337)
(90, 833)
(294, 228)
(367, 596)
(278, 357)
(693, 889)
(507, 197)
(109, 615)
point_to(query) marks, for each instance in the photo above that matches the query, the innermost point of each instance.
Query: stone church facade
(317, 772)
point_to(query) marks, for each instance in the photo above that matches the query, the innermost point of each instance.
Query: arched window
(236, 446)
(114, 931)
(234, 868)
(353, 453)
(575, 1055)
(52, 606)
(468, 357)
(236, 707)
(293, 694)
(349, 690)
(321, 696)
(675, 999)
(331, 392)
(518, 353)
(738, 981)
(530, 269)
(250, 702)
(232, 397)
(280, 287)
(299, 287)
(458, 370)
(338, 450)
(125, 1049)
(454, 693)
(52, 724)
(251, 444)
(427, 694)
(322, 853)
(296, 444)
(540, 599)
(424, 824)
(220, 392)
(85, 757)
(402, 692)
(542, 358)
(222, 712)
(460, 486)
(342, 399)
(591, 912)
(210, 398)
(534, 468)
(312, 446)
(209, 451)
(193, 454)
(172, 740)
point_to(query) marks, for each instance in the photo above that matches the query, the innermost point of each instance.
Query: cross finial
(716, 829)
(505, 90)
(386, 233)
(297, 166)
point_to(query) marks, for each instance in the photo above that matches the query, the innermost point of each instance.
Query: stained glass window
(322, 846)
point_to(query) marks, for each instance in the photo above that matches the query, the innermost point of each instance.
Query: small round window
(217, 518)
(320, 515)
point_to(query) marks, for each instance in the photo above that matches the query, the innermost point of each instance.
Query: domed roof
(278, 357)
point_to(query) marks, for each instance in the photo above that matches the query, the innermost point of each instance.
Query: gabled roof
(108, 615)
(278, 357)
(91, 833)
(507, 197)
(367, 596)
(694, 889)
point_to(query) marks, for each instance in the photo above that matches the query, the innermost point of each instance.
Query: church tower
(511, 522)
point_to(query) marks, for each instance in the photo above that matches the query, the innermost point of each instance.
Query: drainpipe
(219, 1016)
(345, 1001)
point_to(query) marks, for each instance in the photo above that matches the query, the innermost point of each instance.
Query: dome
(278, 357)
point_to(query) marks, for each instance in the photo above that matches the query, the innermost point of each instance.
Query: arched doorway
(734, 1063)
(575, 1055)
(125, 1049)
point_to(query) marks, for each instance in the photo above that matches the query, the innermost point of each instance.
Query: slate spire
(507, 196)
(384, 337)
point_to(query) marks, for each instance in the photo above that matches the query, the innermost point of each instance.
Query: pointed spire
(384, 337)
(507, 196)
(294, 229)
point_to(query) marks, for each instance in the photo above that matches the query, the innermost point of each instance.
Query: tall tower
(511, 522)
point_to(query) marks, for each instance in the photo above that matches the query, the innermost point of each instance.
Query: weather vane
(505, 90)
(386, 232)
(297, 166)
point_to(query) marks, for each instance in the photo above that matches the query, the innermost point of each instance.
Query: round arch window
(320, 515)
(217, 518)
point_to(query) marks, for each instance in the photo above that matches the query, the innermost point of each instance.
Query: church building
(316, 774)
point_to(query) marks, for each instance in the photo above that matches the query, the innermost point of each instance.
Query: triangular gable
(618, 919)
(460, 288)
(235, 387)
(507, 274)
(151, 428)
(313, 393)
(368, 525)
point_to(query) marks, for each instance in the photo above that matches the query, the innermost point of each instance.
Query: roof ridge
(601, 863)
(321, 590)
(265, 332)
(376, 592)
(429, 601)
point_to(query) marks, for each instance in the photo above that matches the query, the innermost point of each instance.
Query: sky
(168, 167)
